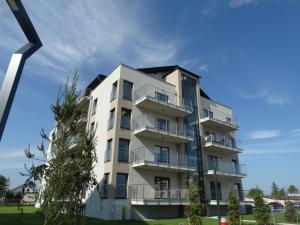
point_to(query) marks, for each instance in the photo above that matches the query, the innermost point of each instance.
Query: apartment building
(156, 129)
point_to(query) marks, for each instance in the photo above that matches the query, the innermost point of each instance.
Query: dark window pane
(162, 124)
(127, 90)
(121, 186)
(123, 150)
(125, 118)
(161, 97)
(94, 106)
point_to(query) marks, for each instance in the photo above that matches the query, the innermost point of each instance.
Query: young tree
(290, 212)
(233, 208)
(274, 190)
(4, 182)
(292, 189)
(261, 211)
(194, 209)
(253, 192)
(281, 194)
(68, 168)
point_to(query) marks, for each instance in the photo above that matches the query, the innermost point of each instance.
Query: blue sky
(247, 52)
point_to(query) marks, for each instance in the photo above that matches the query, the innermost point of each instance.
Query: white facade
(142, 165)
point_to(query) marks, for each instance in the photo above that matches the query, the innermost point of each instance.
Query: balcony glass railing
(220, 116)
(228, 168)
(224, 141)
(169, 127)
(162, 96)
(148, 192)
(158, 157)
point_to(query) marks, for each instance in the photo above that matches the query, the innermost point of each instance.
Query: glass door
(162, 124)
(235, 166)
(161, 154)
(162, 187)
(212, 162)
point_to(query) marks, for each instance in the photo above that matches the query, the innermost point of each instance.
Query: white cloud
(269, 97)
(295, 133)
(78, 35)
(262, 134)
(12, 154)
(273, 147)
(194, 64)
(239, 3)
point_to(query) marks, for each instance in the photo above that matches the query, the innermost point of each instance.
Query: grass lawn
(279, 218)
(9, 215)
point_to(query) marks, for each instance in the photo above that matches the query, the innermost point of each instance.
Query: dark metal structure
(14, 71)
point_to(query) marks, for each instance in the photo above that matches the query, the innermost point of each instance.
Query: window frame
(129, 118)
(94, 106)
(129, 98)
(119, 158)
(125, 186)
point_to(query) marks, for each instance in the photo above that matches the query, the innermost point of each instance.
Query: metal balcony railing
(228, 168)
(152, 122)
(224, 141)
(220, 117)
(163, 96)
(159, 157)
(147, 192)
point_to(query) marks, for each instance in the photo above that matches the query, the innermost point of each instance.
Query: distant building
(156, 128)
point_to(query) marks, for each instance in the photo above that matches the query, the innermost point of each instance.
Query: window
(105, 185)
(161, 97)
(123, 150)
(92, 129)
(107, 156)
(121, 187)
(111, 120)
(212, 162)
(208, 113)
(161, 154)
(94, 106)
(235, 166)
(127, 90)
(214, 192)
(162, 187)
(125, 118)
(113, 94)
(238, 190)
(228, 120)
(162, 124)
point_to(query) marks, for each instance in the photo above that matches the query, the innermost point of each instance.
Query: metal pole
(217, 193)
(17, 62)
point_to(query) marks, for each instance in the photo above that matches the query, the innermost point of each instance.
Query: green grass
(9, 215)
(279, 218)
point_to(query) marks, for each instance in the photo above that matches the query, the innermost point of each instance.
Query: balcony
(150, 126)
(84, 97)
(224, 198)
(158, 159)
(162, 101)
(221, 143)
(143, 194)
(218, 120)
(228, 169)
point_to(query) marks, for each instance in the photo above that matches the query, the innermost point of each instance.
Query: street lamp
(14, 71)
